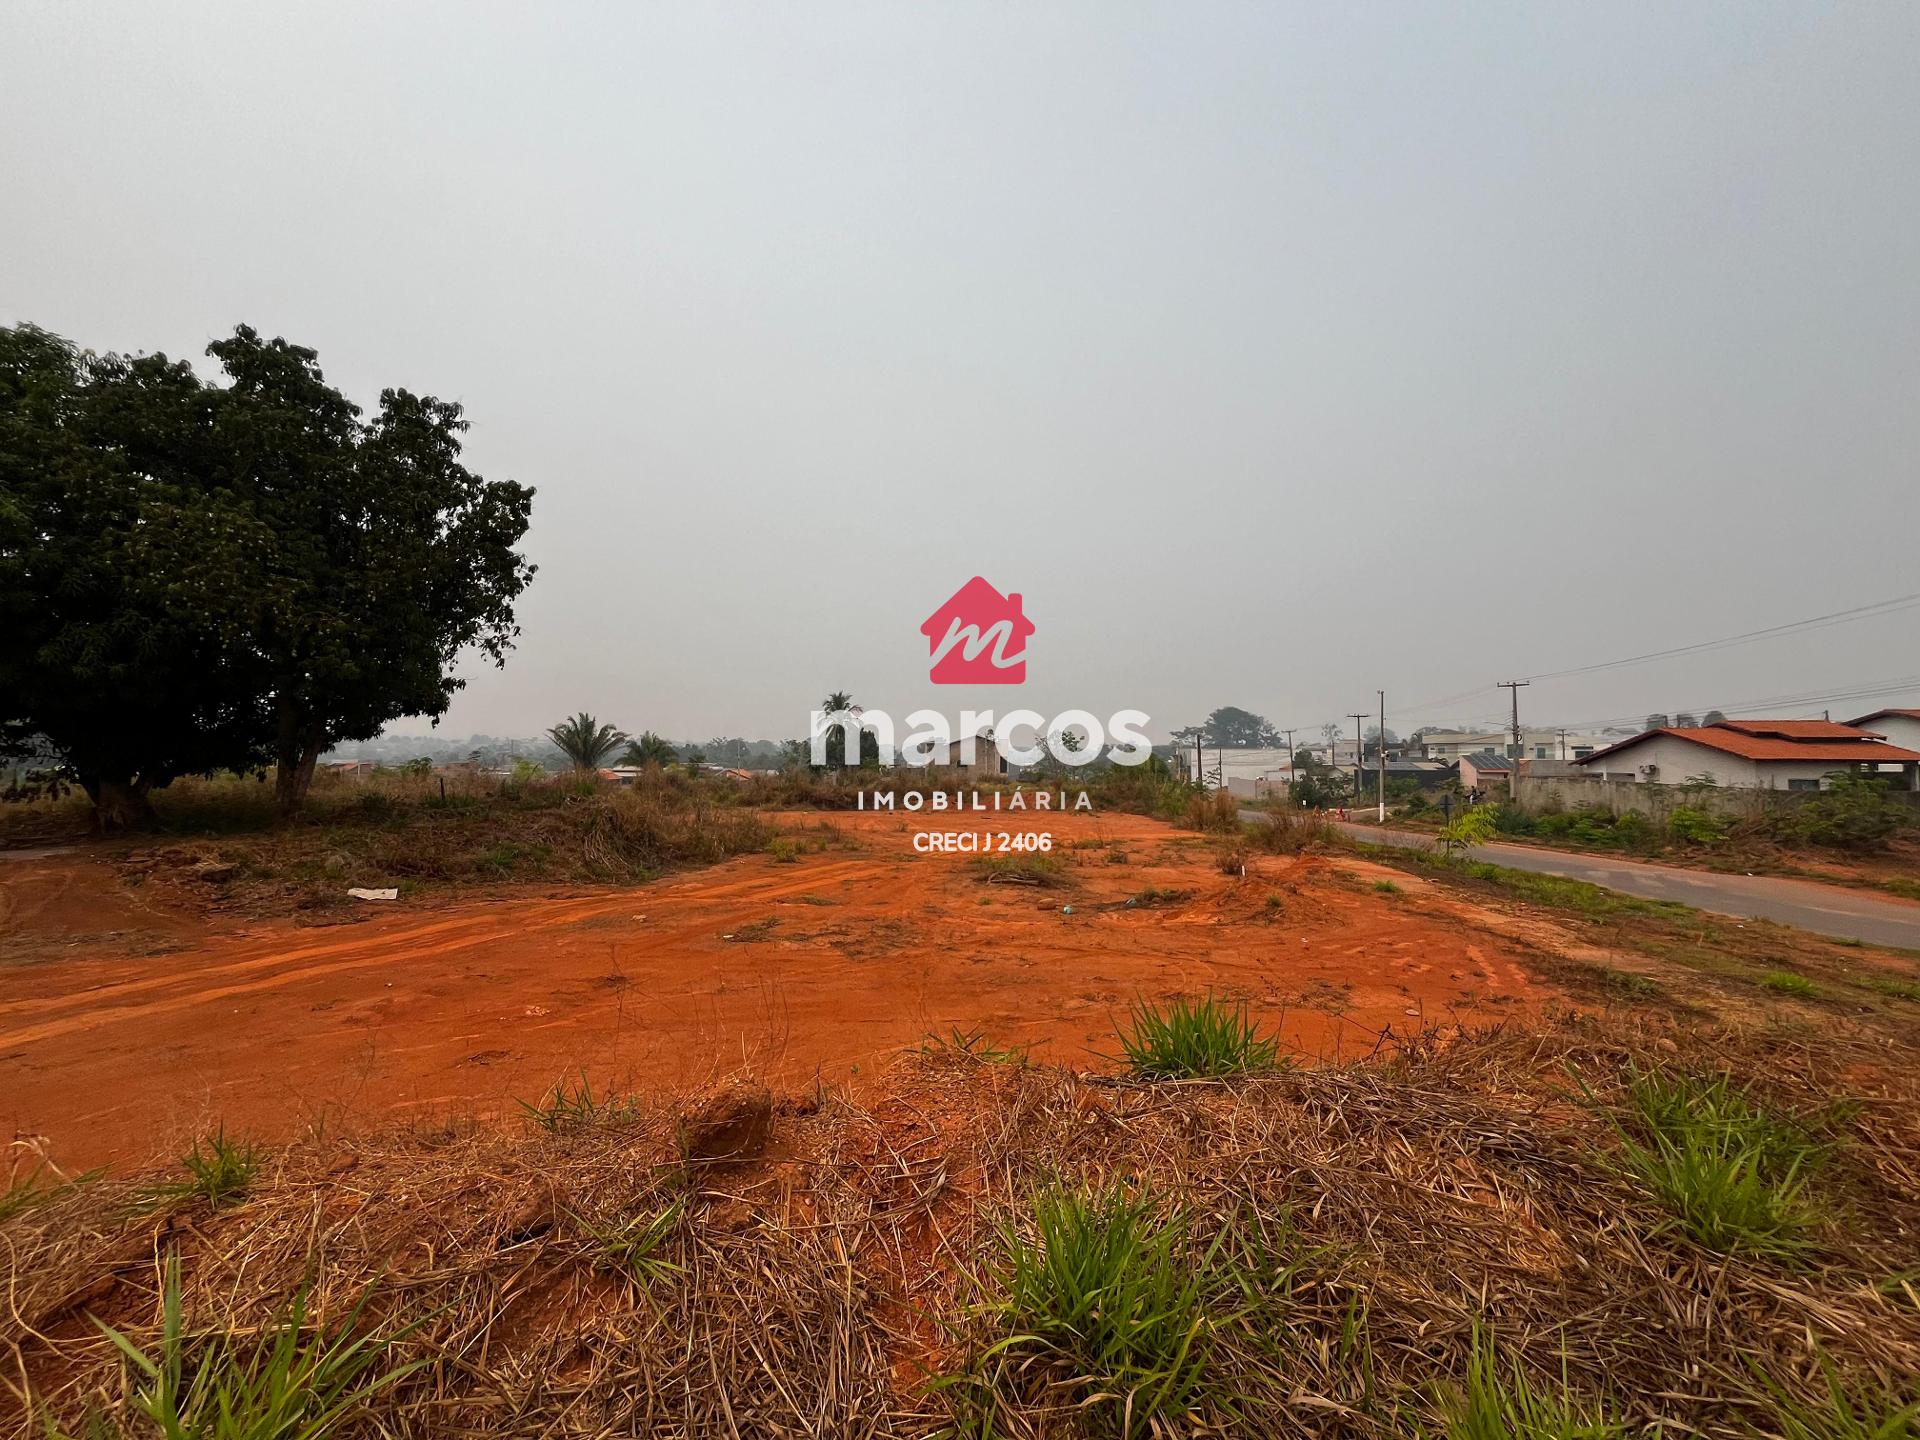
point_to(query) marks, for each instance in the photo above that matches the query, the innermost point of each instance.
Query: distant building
(350, 769)
(1484, 770)
(1898, 727)
(1535, 744)
(1427, 774)
(987, 759)
(1753, 754)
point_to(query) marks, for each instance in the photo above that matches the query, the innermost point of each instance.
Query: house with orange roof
(1755, 754)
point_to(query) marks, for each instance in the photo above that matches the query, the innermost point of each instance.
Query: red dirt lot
(124, 1029)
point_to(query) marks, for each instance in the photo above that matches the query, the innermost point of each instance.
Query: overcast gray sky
(1274, 353)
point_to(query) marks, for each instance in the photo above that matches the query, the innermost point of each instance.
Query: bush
(1695, 827)
(1855, 813)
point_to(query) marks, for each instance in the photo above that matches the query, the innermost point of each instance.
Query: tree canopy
(197, 576)
(1235, 729)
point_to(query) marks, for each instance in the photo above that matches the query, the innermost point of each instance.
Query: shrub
(1289, 830)
(1695, 827)
(1511, 820)
(1854, 813)
(1193, 1039)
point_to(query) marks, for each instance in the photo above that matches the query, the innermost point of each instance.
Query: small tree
(1469, 827)
(585, 741)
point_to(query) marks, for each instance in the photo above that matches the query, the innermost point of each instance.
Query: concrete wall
(1539, 795)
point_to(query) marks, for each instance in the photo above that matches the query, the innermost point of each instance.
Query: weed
(1109, 1291)
(291, 1382)
(1387, 887)
(1899, 989)
(783, 850)
(975, 1045)
(1629, 983)
(1232, 860)
(1788, 983)
(572, 1105)
(36, 1188)
(1117, 857)
(1193, 1039)
(754, 933)
(1501, 1403)
(1042, 870)
(1154, 895)
(1903, 887)
(1852, 1409)
(218, 1170)
(632, 1245)
(1733, 1174)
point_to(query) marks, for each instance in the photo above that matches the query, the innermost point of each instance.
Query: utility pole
(1383, 755)
(1563, 742)
(1513, 774)
(1359, 751)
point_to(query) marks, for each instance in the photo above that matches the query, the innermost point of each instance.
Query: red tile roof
(1884, 714)
(1795, 729)
(1850, 747)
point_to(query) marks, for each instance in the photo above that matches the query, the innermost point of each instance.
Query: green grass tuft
(1852, 1409)
(572, 1105)
(1785, 982)
(292, 1381)
(632, 1245)
(1500, 1402)
(219, 1171)
(1106, 1288)
(1196, 1039)
(1733, 1174)
(975, 1045)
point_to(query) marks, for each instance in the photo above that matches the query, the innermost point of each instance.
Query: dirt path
(1823, 909)
(804, 971)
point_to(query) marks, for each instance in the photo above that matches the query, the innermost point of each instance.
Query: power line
(1816, 622)
(1860, 691)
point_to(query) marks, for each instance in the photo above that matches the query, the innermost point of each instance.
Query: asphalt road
(1823, 909)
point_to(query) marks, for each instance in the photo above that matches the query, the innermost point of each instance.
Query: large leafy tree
(98, 457)
(224, 575)
(1235, 729)
(585, 741)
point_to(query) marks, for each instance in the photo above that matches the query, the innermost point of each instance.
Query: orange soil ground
(123, 1029)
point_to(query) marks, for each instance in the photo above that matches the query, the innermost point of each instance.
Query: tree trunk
(118, 804)
(297, 750)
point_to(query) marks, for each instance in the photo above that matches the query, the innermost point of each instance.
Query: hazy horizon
(1274, 355)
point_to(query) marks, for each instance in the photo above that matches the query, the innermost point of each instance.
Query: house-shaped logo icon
(970, 637)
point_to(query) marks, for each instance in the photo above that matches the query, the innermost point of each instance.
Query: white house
(1754, 754)
(1899, 727)
(1535, 743)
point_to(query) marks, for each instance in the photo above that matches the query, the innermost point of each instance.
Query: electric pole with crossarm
(1513, 772)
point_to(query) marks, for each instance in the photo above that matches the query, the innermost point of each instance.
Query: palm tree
(585, 741)
(836, 702)
(649, 749)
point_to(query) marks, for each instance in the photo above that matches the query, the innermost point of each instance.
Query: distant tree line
(199, 576)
